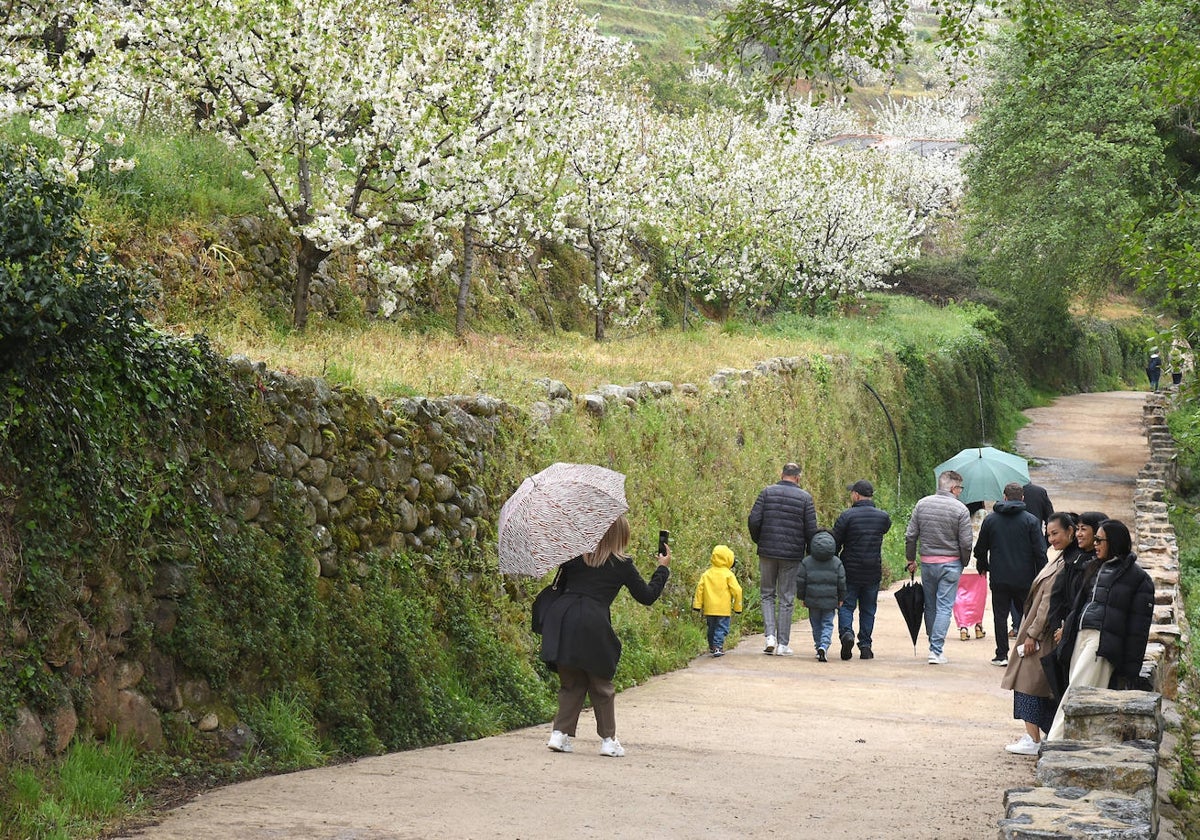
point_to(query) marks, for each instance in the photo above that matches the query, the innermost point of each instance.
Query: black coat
(782, 521)
(1011, 547)
(859, 535)
(1067, 584)
(1037, 502)
(577, 630)
(1127, 595)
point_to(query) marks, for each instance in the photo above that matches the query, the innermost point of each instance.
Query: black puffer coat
(577, 631)
(1127, 595)
(858, 533)
(782, 521)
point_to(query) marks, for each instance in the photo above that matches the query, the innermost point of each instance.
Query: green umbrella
(985, 471)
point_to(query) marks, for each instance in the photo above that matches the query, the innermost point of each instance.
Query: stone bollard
(1041, 813)
(1112, 717)
(1128, 770)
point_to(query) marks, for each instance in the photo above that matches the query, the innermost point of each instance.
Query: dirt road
(744, 746)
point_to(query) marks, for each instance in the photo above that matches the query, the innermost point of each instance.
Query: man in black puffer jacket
(859, 535)
(781, 523)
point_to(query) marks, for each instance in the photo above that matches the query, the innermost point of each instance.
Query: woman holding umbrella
(578, 639)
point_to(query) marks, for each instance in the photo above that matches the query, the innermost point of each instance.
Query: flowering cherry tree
(606, 195)
(62, 68)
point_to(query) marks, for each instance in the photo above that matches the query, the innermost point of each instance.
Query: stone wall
(367, 474)
(1110, 776)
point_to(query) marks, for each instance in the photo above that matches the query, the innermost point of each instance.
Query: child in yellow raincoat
(718, 596)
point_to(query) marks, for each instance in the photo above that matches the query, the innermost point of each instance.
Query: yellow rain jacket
(718, 589)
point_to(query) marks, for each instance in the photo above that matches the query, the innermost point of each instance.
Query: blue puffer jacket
(782, 521)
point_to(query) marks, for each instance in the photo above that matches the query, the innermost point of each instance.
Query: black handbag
(543, 601)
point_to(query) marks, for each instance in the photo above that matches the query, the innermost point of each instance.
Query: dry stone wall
(367, 474)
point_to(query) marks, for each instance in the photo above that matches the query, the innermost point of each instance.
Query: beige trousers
(1088, 668)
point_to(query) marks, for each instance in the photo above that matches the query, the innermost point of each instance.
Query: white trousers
(1088, 668)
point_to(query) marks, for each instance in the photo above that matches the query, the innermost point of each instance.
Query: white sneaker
(559, 742)
(612, 748)
(770, 645)
(1025, 746)
(783, 650)
(938, 659)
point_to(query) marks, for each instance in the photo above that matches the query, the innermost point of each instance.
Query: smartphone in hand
(663, 538)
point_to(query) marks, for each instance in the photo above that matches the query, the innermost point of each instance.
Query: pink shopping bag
(970, 600)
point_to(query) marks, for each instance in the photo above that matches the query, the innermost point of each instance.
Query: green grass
(389, 361)
(76, 797)
(287, 733)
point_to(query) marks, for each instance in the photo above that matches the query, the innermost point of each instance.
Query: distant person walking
(718, 596)
(1011, 550)
(578, 639)
(1154, 370)
(782, 521)
(941, 527)
(821, 586)
(858, 533)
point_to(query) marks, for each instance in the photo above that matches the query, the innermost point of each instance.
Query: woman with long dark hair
(1033, 699)
(578, 640)
(1075, 568)
(1109, 623)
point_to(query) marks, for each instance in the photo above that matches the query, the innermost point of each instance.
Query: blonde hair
(611, 544)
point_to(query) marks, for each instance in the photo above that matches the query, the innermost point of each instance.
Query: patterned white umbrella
(560, 513)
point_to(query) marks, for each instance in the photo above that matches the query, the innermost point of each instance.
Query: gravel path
(744, 746)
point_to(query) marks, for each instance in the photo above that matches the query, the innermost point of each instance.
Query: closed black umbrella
(911, 598)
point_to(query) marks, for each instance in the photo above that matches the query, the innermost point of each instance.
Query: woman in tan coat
(1033, 701)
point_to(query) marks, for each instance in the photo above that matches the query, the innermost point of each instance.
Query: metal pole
(895, 437)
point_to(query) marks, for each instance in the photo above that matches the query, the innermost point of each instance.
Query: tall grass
(75, 798)
(287, 732)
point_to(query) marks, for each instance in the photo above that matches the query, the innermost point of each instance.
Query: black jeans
(1006, 599)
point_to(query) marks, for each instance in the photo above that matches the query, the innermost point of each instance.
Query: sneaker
(938, 659)
(847, 644)
(770, 645)
(866, 653)
(821, 655)
(1000, 661)
(1025, 746)
(783, 650)
(559, 741)
(717, 652)
(612, 748)
(1012, 634)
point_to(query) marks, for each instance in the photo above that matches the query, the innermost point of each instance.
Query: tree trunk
(464, 282)
(307, 262)
(597, 275)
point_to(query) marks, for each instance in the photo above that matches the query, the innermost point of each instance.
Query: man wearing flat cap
(859, 535)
